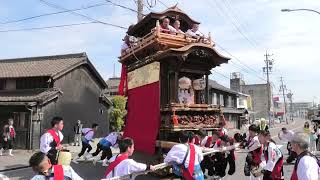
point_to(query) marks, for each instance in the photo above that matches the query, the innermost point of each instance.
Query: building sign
(276, 99)
(145, 75)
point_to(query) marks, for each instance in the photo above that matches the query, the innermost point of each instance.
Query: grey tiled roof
(113, 82)
(32, 95)
(214, 85)
(39, 66)
(51, 66)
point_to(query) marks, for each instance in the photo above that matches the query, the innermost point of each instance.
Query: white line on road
(3, 177)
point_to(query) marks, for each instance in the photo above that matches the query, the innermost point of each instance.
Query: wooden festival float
(166, 77)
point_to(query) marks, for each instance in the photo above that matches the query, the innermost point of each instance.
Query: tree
(118, 112)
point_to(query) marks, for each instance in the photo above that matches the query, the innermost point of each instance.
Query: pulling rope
(207, 151)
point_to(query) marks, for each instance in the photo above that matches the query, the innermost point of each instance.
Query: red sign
(276, 98)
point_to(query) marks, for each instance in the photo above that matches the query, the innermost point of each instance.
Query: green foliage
(118, 112)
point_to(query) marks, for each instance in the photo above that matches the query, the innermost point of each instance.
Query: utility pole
(268, 69)
(284, 88)
(140, 10)
(289, 95)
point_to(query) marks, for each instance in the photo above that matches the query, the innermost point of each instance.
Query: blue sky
(245, 28)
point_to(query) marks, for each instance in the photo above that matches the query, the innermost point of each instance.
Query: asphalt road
(90, 172)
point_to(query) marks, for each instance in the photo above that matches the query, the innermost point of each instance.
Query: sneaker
(105, 163)
(88, 157)
(1, 151)
(75, 160)
(97, 159)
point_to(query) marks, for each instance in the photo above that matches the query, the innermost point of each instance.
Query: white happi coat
(67, 170)
(45, 141)
(274, 154)
(308, 168)
(254, 143)
(178, 152)
(126, 167)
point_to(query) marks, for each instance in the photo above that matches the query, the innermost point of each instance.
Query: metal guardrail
(206, 151)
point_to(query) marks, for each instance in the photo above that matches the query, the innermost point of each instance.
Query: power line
(119, 5)
(79, 14)
(225, 14)
(163, 4)
(236, 18)
(47, 27)
(49, 14)
(234, 57)
(221, 74)
(236, 24)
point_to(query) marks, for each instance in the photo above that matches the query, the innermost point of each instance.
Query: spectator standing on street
(313, 140)
(87, 135)
(50, 141)
(263, 125)
(8, 137)
(306, 127)
(306, 166)
(287, 135)
(77, 133)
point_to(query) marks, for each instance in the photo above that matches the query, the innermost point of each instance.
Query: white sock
(10, 152)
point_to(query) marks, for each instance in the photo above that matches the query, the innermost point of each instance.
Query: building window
(214, 99)
(229, 101)
(31, 83)
(241, 101)
(2, 84)
(221, 100)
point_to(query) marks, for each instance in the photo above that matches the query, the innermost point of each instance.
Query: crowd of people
(264, 159)
(168, 27)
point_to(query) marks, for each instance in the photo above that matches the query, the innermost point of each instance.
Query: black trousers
(106, 152)
(207, 163)
(292, 155)
(220, 164)
(7, 144)
(232, 164)
(85, 146)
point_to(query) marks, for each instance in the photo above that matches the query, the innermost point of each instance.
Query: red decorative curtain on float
(123, 86)
(143, 118)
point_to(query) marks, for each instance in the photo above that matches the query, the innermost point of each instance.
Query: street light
(289, 10)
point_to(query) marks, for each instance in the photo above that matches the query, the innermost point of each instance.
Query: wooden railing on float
(168, 40)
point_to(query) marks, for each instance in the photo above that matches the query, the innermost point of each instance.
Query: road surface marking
(3, 177)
